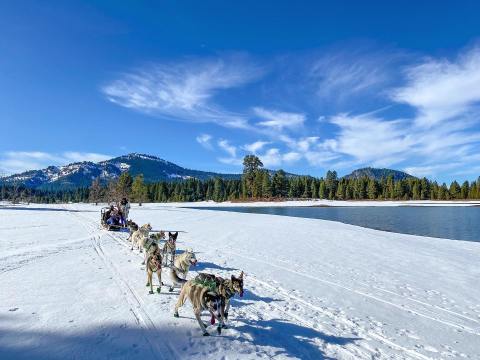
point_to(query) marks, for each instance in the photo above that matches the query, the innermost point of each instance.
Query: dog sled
(115, 223)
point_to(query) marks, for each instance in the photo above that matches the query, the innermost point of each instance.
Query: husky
(158, 236)
(151, 244)
(226, 288)
(154, 265)
(169, 248)
(140, 236)
(132, 227)
(181, 266)
(202, 298)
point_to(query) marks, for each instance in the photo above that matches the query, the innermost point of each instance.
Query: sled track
(373, 297)
(286, 296)
(142, 317)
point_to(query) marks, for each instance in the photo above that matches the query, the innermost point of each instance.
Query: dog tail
(177, 280)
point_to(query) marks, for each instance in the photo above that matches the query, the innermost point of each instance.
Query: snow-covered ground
(314, 289)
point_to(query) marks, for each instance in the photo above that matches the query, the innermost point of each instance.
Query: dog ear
(241, 275)
(233, 277)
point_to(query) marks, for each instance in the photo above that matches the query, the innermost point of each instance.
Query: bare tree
(95, 193)
(16, 191)
(112, 195)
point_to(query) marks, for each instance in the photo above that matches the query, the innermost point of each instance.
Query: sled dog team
(206, 292)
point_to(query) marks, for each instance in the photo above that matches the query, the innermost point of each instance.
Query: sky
(306, 86)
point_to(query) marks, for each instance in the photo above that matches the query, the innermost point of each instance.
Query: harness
(152, 260)
(211, 285)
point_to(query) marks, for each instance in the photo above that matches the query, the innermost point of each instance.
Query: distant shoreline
(320, 203)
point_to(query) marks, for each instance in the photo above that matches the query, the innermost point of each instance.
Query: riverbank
(333, 203)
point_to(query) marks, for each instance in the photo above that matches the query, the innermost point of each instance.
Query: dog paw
(170, 290)
(150, 292)
(225, 315)
(224, 326)
(148, 284)
(176, 315)
(158, 290)
(206, 334)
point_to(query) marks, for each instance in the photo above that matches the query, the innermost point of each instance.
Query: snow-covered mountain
(82, 173)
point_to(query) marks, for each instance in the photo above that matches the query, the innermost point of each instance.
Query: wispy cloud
(369, 139)
(227, 147)
(205, 141)
(441, 89)
(12, 162)
(279, 120)
(255, 147)
(184, 90)
(340, 74)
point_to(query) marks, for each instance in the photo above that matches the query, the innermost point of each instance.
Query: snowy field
(314, 289)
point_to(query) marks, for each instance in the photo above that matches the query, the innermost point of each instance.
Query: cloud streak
(186, 90)
(12, 162)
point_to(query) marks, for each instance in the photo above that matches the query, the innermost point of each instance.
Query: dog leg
(200, 322)
(227, 306)
(179, 303)
(150, 280)
(159, 274)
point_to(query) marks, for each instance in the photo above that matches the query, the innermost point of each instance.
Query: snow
(314, 289)
(123, 166)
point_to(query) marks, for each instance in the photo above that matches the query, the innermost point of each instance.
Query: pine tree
(280, 184)
(266, 185)
(455, 190)
(251, 165)
(218, 190)
(139, 190)
(372, 189)
(322, 190)
(314, 189)
(464, 190)
(124, 186)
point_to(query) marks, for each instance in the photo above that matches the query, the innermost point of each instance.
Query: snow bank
(314, 289)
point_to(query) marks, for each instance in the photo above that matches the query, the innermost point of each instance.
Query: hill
(378, 174)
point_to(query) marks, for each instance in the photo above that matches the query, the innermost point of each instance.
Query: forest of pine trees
(255, 183)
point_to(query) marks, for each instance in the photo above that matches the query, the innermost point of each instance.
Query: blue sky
(307, 86)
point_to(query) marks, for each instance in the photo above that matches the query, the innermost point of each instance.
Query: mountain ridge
(81, 174)
(378, 174)
(153, 168)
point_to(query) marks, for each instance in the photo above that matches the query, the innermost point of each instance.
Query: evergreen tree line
(255, 183)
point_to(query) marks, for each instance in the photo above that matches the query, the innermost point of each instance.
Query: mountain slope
(378, 174)
(81, 174)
